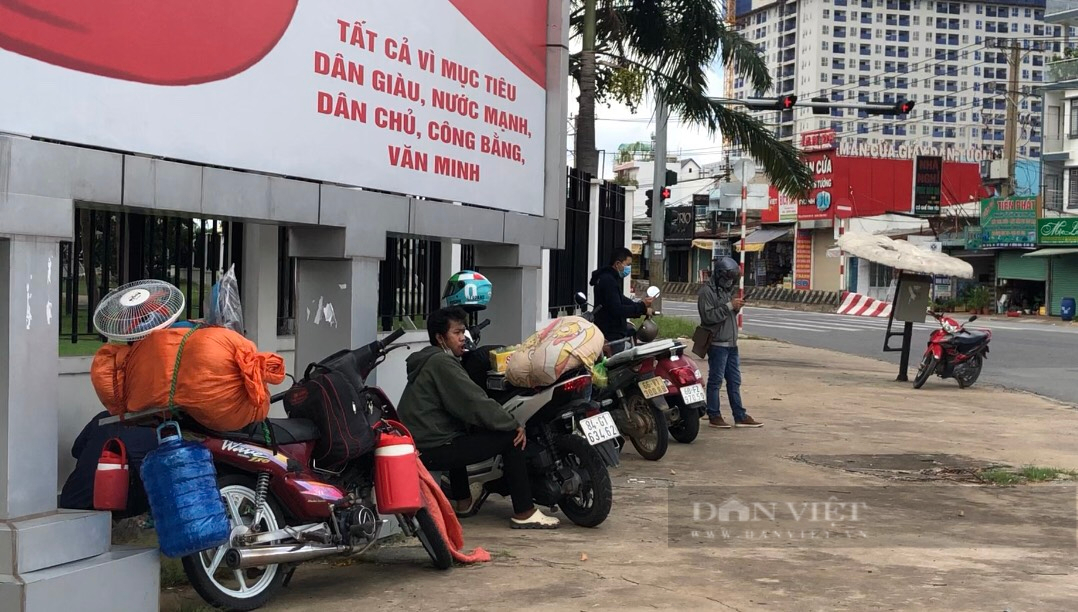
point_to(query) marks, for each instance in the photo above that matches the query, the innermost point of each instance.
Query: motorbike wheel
(590, 507)
(246, 589)
(688, 426)
(649, 434)
(432, 540)
(928, 366)
(974, 373)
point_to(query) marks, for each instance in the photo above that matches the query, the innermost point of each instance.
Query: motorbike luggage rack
(641, 351)
(132, 417)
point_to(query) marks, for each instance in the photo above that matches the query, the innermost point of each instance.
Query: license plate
(599, 428)
(693, 394)
(653, 387)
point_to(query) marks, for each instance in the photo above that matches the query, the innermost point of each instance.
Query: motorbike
(954, 352)
(569, 440)
(284, 510)
(658, 388)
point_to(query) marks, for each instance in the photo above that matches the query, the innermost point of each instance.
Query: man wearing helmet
(612, 308)
(718, 314)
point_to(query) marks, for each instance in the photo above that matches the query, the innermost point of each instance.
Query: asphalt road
(1026, 354)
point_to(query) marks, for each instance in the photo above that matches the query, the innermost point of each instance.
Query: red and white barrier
(860, 305)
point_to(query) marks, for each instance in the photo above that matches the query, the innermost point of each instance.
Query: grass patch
(1035, 473)
(1026, 475)
(672, 327)
(127, 532)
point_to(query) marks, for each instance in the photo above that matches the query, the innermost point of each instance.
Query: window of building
(1073, 131)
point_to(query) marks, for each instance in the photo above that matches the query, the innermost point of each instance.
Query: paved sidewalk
(836, 426)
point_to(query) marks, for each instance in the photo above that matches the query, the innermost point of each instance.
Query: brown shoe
(717, 422)
(748, 422)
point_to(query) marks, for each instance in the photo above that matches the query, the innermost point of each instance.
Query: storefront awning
(700, 243)
(754, 242)
(1050, 252)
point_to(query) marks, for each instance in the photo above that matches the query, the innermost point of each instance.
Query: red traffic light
(905, 107)
(788, 102)
(665, 193)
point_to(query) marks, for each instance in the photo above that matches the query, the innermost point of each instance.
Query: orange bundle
(223, 381)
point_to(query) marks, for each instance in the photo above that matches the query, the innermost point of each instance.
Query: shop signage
(927, 185)
(1062, 232)
(882, 150)
(1008, 223)
(680, 224)
(818, 140)
(803, 260)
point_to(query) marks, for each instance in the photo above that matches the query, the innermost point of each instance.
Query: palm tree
(633, 48)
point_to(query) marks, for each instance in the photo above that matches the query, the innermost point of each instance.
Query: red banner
(869, 187)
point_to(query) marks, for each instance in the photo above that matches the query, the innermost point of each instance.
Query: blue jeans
(723, 362)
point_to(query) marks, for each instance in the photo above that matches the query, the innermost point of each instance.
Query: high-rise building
(950, 58)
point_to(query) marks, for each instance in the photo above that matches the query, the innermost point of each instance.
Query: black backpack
(331, 393)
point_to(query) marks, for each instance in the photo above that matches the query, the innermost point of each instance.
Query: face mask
(626, 271)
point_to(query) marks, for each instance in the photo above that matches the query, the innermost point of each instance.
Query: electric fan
(132, 311)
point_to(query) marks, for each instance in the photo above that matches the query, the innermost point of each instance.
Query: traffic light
(671, 177)
(781, 103)
(902, 107)
(821, 110)
(664, 194)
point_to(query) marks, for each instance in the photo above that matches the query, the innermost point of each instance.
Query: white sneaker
(537, 520)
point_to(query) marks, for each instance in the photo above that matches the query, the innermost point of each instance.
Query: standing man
(718, 313)
(612, 307)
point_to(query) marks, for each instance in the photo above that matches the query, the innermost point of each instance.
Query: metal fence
(409, 282)
(569, 266)
(110, 249)
(611, 219)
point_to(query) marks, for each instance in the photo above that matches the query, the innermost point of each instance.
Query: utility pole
(656, 267)
(1010, 132)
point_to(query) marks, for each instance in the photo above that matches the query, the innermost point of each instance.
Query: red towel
(446, 519)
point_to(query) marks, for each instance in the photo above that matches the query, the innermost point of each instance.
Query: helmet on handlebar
(648, 331)
(467, 288)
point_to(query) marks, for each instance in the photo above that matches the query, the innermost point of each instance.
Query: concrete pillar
(337, 307)
(542, 308)
(595, 258)
(514, 273)
(49, 559)
(258, 287)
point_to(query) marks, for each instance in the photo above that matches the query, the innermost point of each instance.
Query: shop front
(769, 257)
(1058, 238)
(1008, 228)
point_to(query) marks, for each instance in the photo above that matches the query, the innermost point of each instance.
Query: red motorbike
(284, 509)
(681, 388)
(954, 352)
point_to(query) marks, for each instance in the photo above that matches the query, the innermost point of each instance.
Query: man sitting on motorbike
(455, 424)
(612, 307)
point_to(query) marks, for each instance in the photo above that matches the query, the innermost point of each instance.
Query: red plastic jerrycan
(396, 472)
(112, 477)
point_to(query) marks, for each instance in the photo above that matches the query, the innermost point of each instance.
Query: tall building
(950, 58)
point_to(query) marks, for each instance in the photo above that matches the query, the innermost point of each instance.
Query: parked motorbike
(954, 352)
(570, 440)
(284, 510)
(660, 375)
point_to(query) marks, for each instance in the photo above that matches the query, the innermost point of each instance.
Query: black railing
(111, 248)
(611, 220)
(409, 282)
(569, 266)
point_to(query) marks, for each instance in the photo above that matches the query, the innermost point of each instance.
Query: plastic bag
(225, 307)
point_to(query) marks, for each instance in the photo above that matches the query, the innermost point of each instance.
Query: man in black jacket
(612, 308)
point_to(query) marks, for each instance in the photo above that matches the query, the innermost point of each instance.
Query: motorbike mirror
(653, 291)
(581, 298)
(973, 318)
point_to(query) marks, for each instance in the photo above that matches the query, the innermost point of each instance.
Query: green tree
(637, 48)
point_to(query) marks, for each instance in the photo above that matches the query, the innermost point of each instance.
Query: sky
(618, 125)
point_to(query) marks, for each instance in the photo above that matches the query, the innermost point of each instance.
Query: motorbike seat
(640, 351)
(969, 338)
(285, 431)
